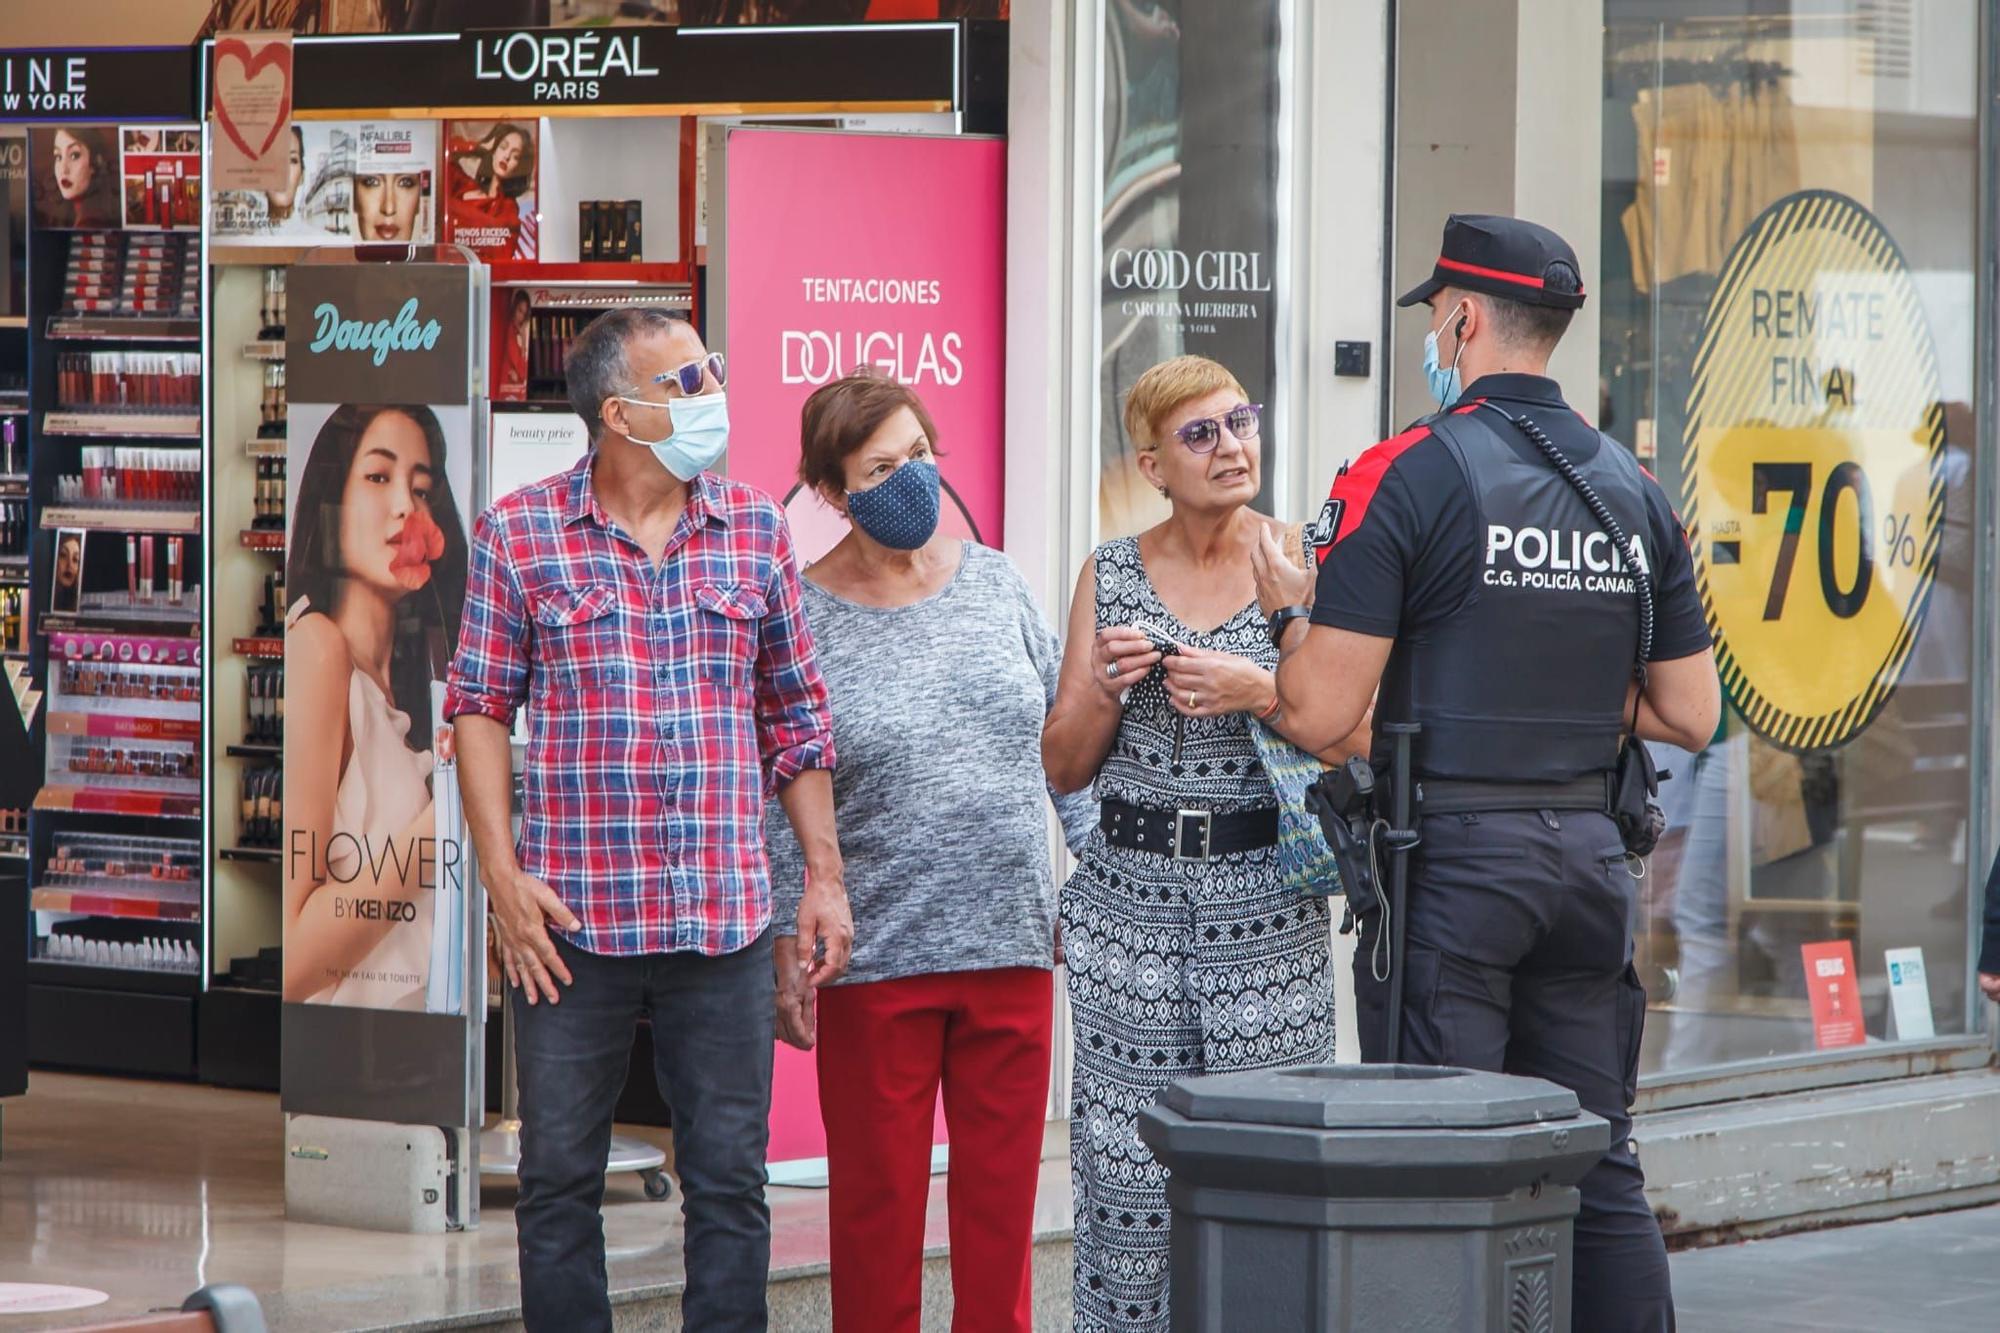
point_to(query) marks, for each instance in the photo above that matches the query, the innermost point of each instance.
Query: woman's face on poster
(74, 169)
(295, 174)
(69, 562)
(509, 154)
(386, 204)
(390, 479)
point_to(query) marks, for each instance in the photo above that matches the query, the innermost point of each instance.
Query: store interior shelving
(112, 481)
(246, 570)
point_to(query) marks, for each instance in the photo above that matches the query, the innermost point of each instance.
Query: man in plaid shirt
(647, 613)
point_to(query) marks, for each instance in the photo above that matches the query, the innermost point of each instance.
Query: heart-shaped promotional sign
(247, 106)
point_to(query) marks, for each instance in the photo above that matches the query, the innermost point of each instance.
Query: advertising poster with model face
(489, 201)
(350, 183)
(899, 267)
(161, 170)
(14, 221)
(73, 175)
(380, 453)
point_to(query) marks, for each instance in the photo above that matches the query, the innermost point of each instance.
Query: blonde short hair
(1166, 387)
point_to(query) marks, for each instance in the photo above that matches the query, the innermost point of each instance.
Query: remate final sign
(1813, 486)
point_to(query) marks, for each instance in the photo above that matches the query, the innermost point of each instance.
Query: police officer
(1467, 576)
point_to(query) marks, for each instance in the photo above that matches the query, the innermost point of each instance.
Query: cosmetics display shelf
(245, 587)
(119, 801)
(153, 981)
(123, 328)
(265, 855)
(118, 518)
(126, 617)
(123, 425)
(113, 900)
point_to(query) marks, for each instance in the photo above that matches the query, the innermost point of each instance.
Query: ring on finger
(1111, 669)
(1191, 700)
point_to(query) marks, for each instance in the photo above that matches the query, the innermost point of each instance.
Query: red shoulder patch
(1355, 487)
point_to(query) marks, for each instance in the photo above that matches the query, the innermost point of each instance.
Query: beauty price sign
(1813, 489)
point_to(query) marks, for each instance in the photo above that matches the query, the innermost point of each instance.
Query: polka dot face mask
(901, 512)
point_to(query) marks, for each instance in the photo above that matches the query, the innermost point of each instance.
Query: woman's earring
(1163, 491)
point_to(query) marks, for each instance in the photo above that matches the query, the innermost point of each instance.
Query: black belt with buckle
(1188, 835)
(1447, 797)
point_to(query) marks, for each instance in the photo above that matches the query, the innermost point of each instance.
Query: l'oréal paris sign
(560, 66)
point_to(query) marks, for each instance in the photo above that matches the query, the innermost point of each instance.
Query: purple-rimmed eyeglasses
(1202, 435)
(689, 376)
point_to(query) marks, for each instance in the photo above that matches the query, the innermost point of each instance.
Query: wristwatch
(1284, 616)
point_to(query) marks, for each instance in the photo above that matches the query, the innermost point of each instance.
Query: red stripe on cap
(1356, 486)
(1478, 272)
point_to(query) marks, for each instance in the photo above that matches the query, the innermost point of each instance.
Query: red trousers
(884, 1047)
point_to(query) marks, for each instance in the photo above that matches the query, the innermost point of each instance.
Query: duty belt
(1188, 835)
(1445, 797)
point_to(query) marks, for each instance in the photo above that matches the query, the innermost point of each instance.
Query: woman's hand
(797, 1022)
(1126, 648)
(1209, 684)
(1280, 583)
(1989, 985)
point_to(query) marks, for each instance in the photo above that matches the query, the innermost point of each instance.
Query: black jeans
(713, 1021)
(1518, 959)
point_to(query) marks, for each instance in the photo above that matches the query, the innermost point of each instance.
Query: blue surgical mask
(902, 511)
(701, 434)
(1444, 382)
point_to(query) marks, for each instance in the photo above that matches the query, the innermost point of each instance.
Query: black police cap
(1521, 261)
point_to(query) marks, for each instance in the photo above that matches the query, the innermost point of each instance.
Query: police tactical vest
(1526, 681)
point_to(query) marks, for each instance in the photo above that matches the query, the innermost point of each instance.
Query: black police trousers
(1518, 958)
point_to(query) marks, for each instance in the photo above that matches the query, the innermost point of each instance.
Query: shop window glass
(1788, 325)
(1189, 229)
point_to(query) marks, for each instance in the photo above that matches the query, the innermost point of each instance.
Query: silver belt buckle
(1203, 820)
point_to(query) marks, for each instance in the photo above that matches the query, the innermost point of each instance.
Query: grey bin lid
(1370, 1097)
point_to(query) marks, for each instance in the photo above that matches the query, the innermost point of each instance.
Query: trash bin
(1373, 1198)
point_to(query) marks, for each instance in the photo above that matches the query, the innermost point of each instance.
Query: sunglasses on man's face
(689, 376)
(1201, 436)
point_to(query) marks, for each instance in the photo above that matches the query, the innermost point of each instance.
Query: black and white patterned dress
(1176, 968)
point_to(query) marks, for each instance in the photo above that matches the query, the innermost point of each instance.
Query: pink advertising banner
(878, 250)
(850, 250)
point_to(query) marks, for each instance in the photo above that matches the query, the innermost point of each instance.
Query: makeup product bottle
(175, 548)
(131, 567)
(146, 568)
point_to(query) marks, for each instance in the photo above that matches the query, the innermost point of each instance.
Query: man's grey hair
(598, 367)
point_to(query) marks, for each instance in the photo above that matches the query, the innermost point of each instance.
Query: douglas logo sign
(381, 333)
(403, 334)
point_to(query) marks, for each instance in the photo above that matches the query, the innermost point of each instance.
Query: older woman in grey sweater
(940, 671)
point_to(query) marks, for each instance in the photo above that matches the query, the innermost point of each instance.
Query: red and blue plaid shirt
(665, 703)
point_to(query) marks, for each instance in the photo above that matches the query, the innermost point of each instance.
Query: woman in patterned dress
(1188, 953)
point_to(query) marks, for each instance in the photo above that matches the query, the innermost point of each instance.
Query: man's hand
(797, 1022)
(1201, 683)
(1280, 583)
(523, 907)
(1989, 986)
(824, 920)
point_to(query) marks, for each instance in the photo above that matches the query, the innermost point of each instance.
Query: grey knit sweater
(938, 792)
